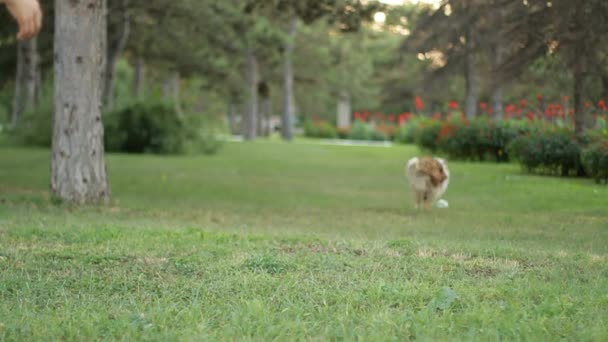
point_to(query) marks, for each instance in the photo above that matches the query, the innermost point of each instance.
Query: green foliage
(360, 131)
(428, 131)
(480, 139)
(320, 129)
(555, 151)
(378, 136)
(406, 133)
(153, 127)
(36, 125)
(595, 160)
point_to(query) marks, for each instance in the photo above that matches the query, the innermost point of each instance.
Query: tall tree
(252, 77)
(78, 170)
(26, 80)
(119, 23)
(289, 106)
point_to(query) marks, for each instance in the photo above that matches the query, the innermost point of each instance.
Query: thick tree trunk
(26, 80)
(265, 111)
(289, 110)
(78, 170)
(344, 110)
(116, 44)
(139, 78)
(470, 77)
(251, 112)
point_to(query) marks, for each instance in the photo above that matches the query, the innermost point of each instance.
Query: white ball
(442, 203)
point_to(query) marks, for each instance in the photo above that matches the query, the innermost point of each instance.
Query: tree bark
(582, 121)
(78, 170)
(265, 111)
(27, 79)
(116, 45)
(139, 78)
(579, 106)
(289, 110)
(470, 76)
(251, 111)
(344, 110)
(496, 97)
(266, 108)
(232, 116)
(175, 82)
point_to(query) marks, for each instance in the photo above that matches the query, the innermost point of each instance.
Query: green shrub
(378, 136)
(595, 160)
(480, 139)
(549, 151)
(427, 135)
(320, 129)
(406, 133)
(153, 127)
(35, 127)
(360, 131)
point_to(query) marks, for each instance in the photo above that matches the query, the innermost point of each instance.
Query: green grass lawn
(272, 241)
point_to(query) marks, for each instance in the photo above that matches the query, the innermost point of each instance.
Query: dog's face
(438, 175)
(435, 169)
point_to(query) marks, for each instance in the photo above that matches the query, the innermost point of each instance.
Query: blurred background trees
(261, 66)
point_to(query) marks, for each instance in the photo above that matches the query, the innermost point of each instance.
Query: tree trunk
(265, 109)
(496, 97)
(232, 116)
(470, 76)
(344, 110)
(176, 91)
(78, 170)
(266, 106)
(139, 78)
(116, 45)
(579, 106)
(27, 79)
(289, 110)
(582, 121)
(251, 112)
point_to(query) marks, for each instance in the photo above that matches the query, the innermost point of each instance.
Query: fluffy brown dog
(428, 178)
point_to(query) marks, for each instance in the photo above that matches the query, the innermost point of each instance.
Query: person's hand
(28, 16)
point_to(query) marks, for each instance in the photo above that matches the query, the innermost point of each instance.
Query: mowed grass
(273, 241)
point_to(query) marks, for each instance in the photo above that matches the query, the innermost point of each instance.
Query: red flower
(418, 103)
(530, 116)
(522, 103)
(391, 118)
(453, 104)
(403, 117)
(601, 105)
(483, 105)
(446, 131)
(510, 108)
(539, 97)
(565, 98)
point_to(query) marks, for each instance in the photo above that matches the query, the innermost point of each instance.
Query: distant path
(337, 142)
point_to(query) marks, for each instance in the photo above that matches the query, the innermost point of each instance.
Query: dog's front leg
(417, 199)
(428, 198)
